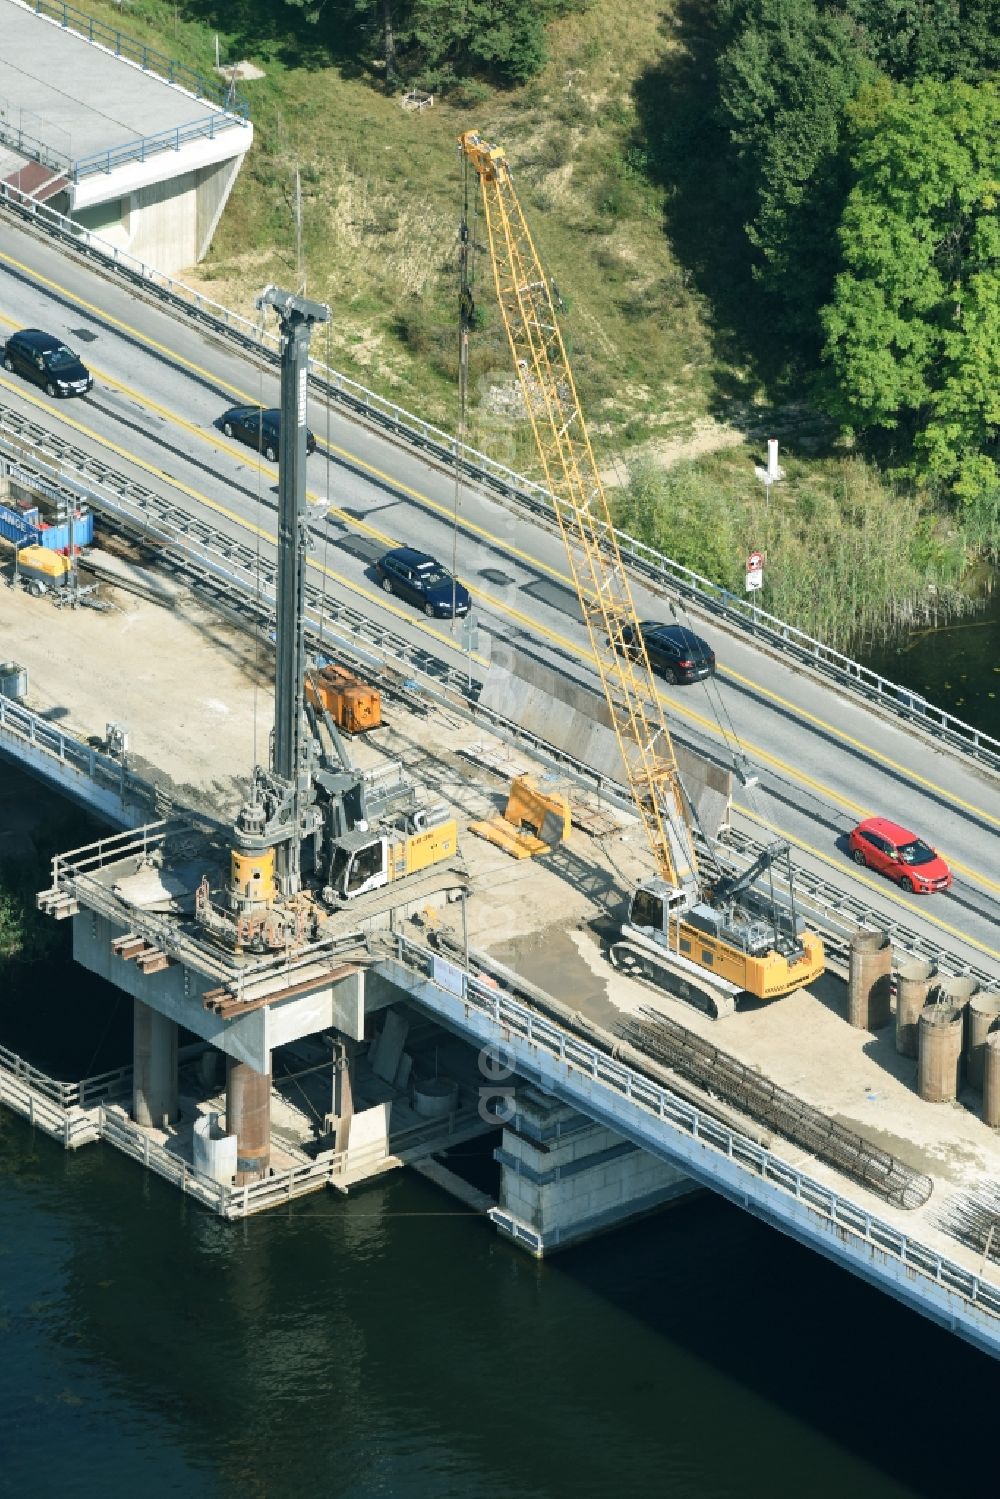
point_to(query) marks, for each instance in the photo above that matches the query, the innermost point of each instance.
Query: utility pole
(296, 316)
(466, 313)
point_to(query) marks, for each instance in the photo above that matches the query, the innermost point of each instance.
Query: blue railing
(150, 145)
(147, 58)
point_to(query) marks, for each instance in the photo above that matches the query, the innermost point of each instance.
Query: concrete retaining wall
(575, 719)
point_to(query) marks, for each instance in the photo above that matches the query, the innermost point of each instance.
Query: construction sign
(755, 571)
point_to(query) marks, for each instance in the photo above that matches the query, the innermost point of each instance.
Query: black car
(41, 357)
(420, 580)
(678, 654)
(259, 428)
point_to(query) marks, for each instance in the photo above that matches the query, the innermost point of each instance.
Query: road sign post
(755, 579)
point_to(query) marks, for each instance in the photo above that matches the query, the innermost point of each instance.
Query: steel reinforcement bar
(446, 450)
(510, 1018)
(750, 1091)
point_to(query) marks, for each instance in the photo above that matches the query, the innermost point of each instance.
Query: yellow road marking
(106, 317)
(561, 641)
(863, 879)
(238, 520)
(859, 744)
(504, 546)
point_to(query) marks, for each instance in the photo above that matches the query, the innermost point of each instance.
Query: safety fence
(235, 577)
(446, 450)
(206, 128)
(113, 39)
(512, 1019)
(73, 755)
(81, 1113)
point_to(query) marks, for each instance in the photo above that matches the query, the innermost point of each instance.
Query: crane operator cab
(367, 858)
(714, 952)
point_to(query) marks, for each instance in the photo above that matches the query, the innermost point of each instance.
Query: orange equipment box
(352, 704)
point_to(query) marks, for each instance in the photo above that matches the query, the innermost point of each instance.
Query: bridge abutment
(565, 1178)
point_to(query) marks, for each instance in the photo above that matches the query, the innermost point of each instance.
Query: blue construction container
(19, 526)
(25, 527)
(57, 536)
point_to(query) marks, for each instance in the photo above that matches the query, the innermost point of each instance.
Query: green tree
(785, 81)
(913, 329)
(911, 39)
(437, 42)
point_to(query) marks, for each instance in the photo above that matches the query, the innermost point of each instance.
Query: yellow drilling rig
(705, 938)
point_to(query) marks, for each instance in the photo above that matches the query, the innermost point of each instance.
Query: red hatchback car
(904, 857)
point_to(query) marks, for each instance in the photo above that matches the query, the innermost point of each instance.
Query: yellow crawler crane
(707, 941)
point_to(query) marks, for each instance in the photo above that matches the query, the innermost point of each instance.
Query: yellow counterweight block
(767, 977)
(409, 853)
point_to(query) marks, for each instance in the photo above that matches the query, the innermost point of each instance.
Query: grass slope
(620, 173)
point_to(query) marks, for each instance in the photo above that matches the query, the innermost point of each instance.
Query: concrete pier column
(913, 983)
(565, 1178)
(982, 1017)
(939, 1044)
(154, 1067)
(991, 1080)
(248, 1117)
(868, 990)
(342, 1101)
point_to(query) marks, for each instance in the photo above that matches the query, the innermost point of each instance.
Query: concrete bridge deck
(148, 158)
(79, 97)
(544, 920)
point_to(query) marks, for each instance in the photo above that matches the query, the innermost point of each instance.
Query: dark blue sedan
(260, 428)
(420, 580)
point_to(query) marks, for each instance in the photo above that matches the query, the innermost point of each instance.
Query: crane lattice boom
(581, 507)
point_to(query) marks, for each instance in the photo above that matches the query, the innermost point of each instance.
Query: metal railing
(445, 448)
(511, 1017)
(76, 873)
(86, 1092)
(216, 563)
(113, 775)
(112, 39)
(236, 568)
(29, 145)
(152, 145)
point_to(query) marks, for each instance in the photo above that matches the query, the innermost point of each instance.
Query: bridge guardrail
(228, 569)
(113, 39)
(778, 634)
(513, 1017)
(152, 145)
(841, 906)
(114, 775)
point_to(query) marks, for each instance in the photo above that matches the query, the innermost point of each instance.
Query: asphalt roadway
(823, 759)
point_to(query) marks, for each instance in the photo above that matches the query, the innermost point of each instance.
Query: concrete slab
(80, 98)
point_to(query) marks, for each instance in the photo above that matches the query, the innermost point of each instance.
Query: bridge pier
(248, 1117)
(342, 1099)
(565, 1178)
(154, 1067)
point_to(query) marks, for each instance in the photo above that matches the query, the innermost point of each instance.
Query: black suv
(679, 655)
(42, 358)
(420, 580)
(259, 427)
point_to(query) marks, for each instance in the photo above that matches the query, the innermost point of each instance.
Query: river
(390, 1345)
